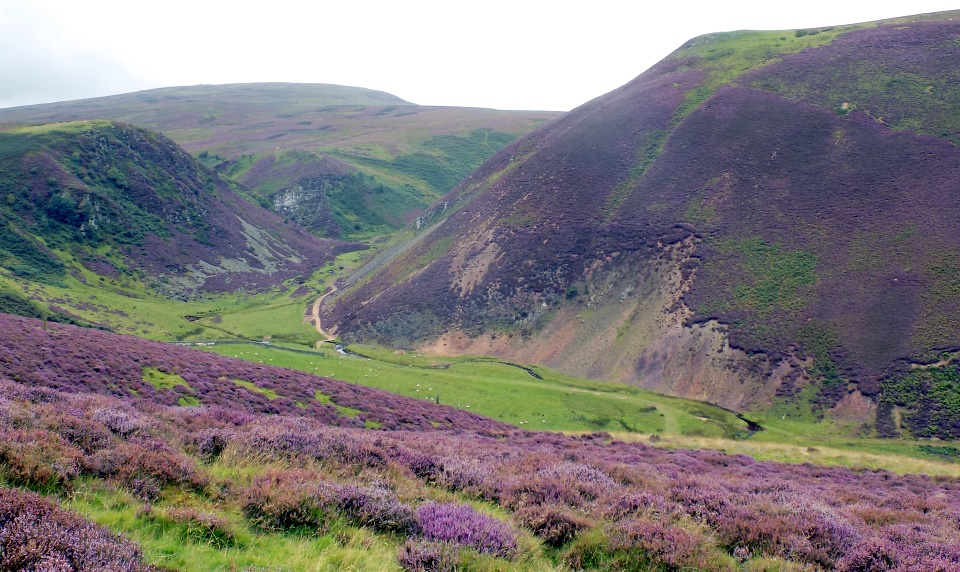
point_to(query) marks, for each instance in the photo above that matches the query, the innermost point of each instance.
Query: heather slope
(202, 462)
(340, 161)
(762, 217)
(85, 360)
(110, 199)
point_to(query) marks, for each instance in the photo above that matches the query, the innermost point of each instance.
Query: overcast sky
(504, 54)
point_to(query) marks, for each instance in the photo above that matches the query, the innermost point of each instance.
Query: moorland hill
(96, 200)
(761, 216)
(340, 161)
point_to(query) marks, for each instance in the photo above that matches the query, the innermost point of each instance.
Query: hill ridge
(342, 162)
(809, 174)
(113, 198)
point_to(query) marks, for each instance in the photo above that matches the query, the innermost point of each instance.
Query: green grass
(249, 385)
(563, 403)
(128, 305)
(775, 275)
(779, 445)
(482, 385)
(170, 544)
(262, 320)
(491, 388)
(237, 544)
(727, 55)
(342, 410)
(162, 380)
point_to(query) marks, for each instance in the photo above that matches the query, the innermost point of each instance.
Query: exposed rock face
(306, 204)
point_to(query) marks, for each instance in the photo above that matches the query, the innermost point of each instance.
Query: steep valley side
(629, 324)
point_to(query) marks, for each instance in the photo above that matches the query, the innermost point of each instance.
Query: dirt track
(315, 315)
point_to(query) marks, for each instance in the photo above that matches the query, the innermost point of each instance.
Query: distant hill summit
(205, 98)
(112, 199)
(761, 218)
(340, 161)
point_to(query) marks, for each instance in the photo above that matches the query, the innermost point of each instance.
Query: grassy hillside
(100, 202)
(537, 399)
(762, 218)
(340, 161)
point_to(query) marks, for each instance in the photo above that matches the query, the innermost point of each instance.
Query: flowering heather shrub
(639, 503)
(641, 544)
(36, 535)
(146, 489)
(469, 475)
(74, 360)
(425, 467)
(555, 525)
(135, 462)
(870, 555)
(282, 500)
(38, 459)
(531, 490)
(463, 526)
(661, 543)
(298, 439)
(300, 498)
(703, 501)
(31, 394)
(424, 556)
(804, 535)
(610, 504)
(587, 481)
(210, 443)
(88, 435)
(122, 423)
(375, 507)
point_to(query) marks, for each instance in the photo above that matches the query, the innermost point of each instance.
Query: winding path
(315, 315)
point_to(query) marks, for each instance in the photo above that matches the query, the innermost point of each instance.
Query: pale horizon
(521, 55)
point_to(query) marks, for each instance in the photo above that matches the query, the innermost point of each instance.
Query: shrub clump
(375, 507)
(463, 526)
(141, 463)
(284, 500)
(641, 544)
(418, 555)
(39, 459)
(555, 525)
(301, 499)
(36, 535)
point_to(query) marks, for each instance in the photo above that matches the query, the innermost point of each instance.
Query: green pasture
(508, 393)
(558, 402)
(128, 305)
